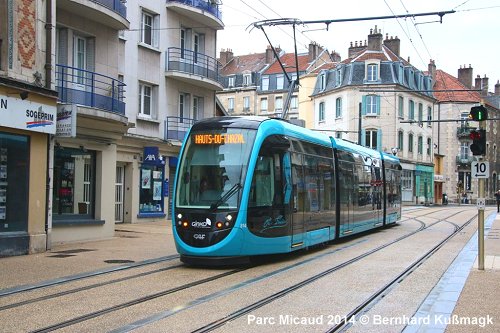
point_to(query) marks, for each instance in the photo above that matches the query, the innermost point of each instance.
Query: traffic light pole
(480, 217)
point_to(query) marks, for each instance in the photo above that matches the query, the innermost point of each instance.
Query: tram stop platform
(463, 290)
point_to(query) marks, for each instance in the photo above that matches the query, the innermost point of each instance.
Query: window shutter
(90, 54)
(363, 107)
(156, 31)
(62, 49)
(363, 138)
(379, 139)
(378, 105)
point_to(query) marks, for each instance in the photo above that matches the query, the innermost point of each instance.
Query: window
(400, 140)
(265, 83)
(74, 183)
(230, 81)
(411, 110)
(294, 103)
(401, 111)
(429, 146)
(338, 107)
(198, 107)
(372, 72)
(371, 139)
(429, 116)
(410, 143)
(184, 102)
(322, 81)
(151, 189)
(321, 111)
(230, 104)
(420, 113)
(145, 100)
(247, 79)
(338, 77)
(371, 105)
(420, 145)
(14, 182)
(183, 43)
(246, 103)
(149, 34)
(80, 59)
(278, 105)
(279, 81)
(464, 150)
(263, 104)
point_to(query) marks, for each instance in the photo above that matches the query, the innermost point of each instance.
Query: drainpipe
(48, 46)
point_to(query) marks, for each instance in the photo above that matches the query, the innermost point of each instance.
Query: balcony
(194, 68)
(112, 13)
(78, 86)
(463, 132)
(203, 11)
(465, 160)
(176, 128)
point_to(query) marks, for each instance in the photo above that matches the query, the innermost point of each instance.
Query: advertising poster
(146, 178)
(157, 191)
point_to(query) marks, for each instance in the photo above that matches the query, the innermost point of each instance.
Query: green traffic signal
(478, 113)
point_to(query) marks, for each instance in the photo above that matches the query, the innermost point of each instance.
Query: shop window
(14, 167)
(151, 189)
(74, 183)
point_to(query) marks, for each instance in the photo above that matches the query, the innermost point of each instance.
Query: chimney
(314, 51)
(497, 88)
(353, 50)
(477, 82)
(270, 55)
(375, 40)
(432, 69)
(392, 44)
(225, 56)
(335, 57)
(465, 76)
(484, 88)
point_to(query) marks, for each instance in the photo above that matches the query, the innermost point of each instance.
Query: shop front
(27, 120)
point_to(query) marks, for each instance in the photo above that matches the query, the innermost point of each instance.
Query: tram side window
(262, 190)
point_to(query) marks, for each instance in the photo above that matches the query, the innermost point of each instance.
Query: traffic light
(478, 146)
(478, 113)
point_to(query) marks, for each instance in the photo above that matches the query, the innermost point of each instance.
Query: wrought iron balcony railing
(464, 131)
(176, 128)
(462, 159)
(208, 6)
(191, 62)
(79, 86)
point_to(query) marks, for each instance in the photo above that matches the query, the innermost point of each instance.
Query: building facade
(28, 102)
(381, 101)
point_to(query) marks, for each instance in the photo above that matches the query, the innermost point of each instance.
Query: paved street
(135, 282)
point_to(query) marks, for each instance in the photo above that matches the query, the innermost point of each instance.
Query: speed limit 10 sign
(480, 169)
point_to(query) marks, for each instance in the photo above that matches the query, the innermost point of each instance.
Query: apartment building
(378, 99)
(168, 64)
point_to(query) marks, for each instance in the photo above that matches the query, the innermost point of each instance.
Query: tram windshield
(212, 168)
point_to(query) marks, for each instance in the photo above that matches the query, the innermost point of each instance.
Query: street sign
(481, 202)
(480, 169)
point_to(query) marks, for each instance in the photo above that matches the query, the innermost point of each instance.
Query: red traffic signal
(478, 146)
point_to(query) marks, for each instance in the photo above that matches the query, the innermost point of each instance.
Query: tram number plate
(481, 202)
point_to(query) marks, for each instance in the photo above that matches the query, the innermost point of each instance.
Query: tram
(248, 186)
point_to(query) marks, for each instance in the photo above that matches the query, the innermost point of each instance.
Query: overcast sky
(471, 35)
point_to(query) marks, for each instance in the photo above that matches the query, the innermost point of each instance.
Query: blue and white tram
(249, 186)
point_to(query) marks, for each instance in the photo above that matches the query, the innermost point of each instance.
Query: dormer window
(322, 81)
(338, 77)
(372, 72)
(230, 82)
(247, 79)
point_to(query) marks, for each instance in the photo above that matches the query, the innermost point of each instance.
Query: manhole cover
(118, 261)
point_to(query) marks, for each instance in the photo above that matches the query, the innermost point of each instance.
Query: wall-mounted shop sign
(27, 115)
(66, 120)
(152, 156)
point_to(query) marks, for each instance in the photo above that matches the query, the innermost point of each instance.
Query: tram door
(377, 194)
(297, 200)
(346, 196)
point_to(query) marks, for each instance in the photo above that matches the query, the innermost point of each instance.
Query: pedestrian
(497, 196)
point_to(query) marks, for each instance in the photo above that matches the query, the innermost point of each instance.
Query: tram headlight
(179, 216)
(229, 217)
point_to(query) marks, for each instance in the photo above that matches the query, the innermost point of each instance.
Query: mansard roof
(445, 81)
(288, 61)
